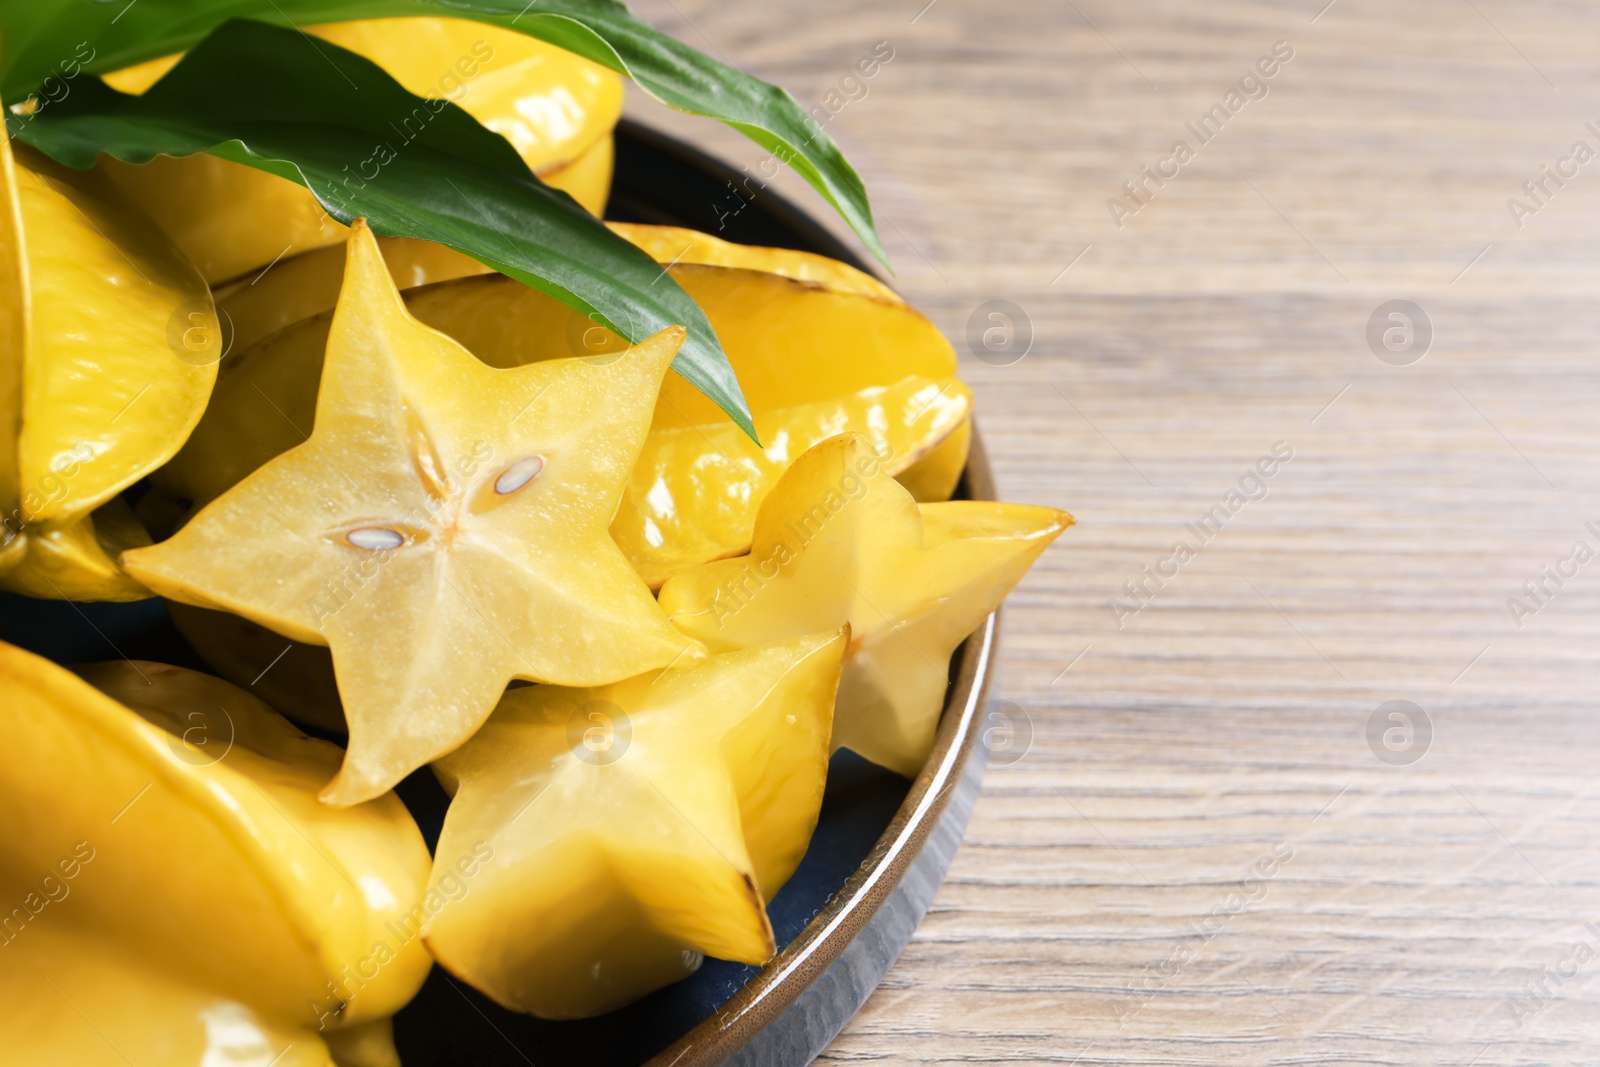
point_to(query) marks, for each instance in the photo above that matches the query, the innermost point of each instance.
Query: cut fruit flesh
(608, 837)
(110, 353)
(911, 580)
(557, 109)
(178, 815)
(442, 530)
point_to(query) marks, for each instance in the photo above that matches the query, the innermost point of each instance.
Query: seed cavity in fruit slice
(616, 835)
(375, 538)
(913, 581)
(518, 475)
(408, 423)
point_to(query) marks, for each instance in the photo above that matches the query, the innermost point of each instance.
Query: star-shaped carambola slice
(838, 540)
(601, 840)
(693, 494)
(442, 530)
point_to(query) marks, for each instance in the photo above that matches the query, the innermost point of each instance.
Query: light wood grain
(1230, 714)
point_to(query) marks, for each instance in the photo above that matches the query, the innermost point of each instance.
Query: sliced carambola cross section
(442, 530)
(633, 827)
(839, 541)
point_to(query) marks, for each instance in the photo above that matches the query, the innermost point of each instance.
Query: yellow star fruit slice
(694, 493)
(108, 350)
(177, 879)
(556, 108)
(692, 497)
(839, 541)
(634, 827)
(442, 530)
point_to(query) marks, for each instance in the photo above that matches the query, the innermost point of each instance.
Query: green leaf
(40, 39)
(324, 116)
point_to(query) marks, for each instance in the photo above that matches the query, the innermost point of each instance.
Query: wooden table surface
(1194, 853)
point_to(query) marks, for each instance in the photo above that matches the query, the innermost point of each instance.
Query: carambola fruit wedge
(634, 827)
(838, 540)
(556, 108)
(442, 530)
(108, 351)
(176, 893)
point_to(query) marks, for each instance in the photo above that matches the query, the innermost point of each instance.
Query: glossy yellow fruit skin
(932, 477)
(676, 244)
(935, 476)
(174, 860)
(110, 355)
(840, 541)
(14, 333)
(800, 342)
(442, 530)
(136, 1013)
(693, 494)
(76, 559)
(633, 827)
(557, 110)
